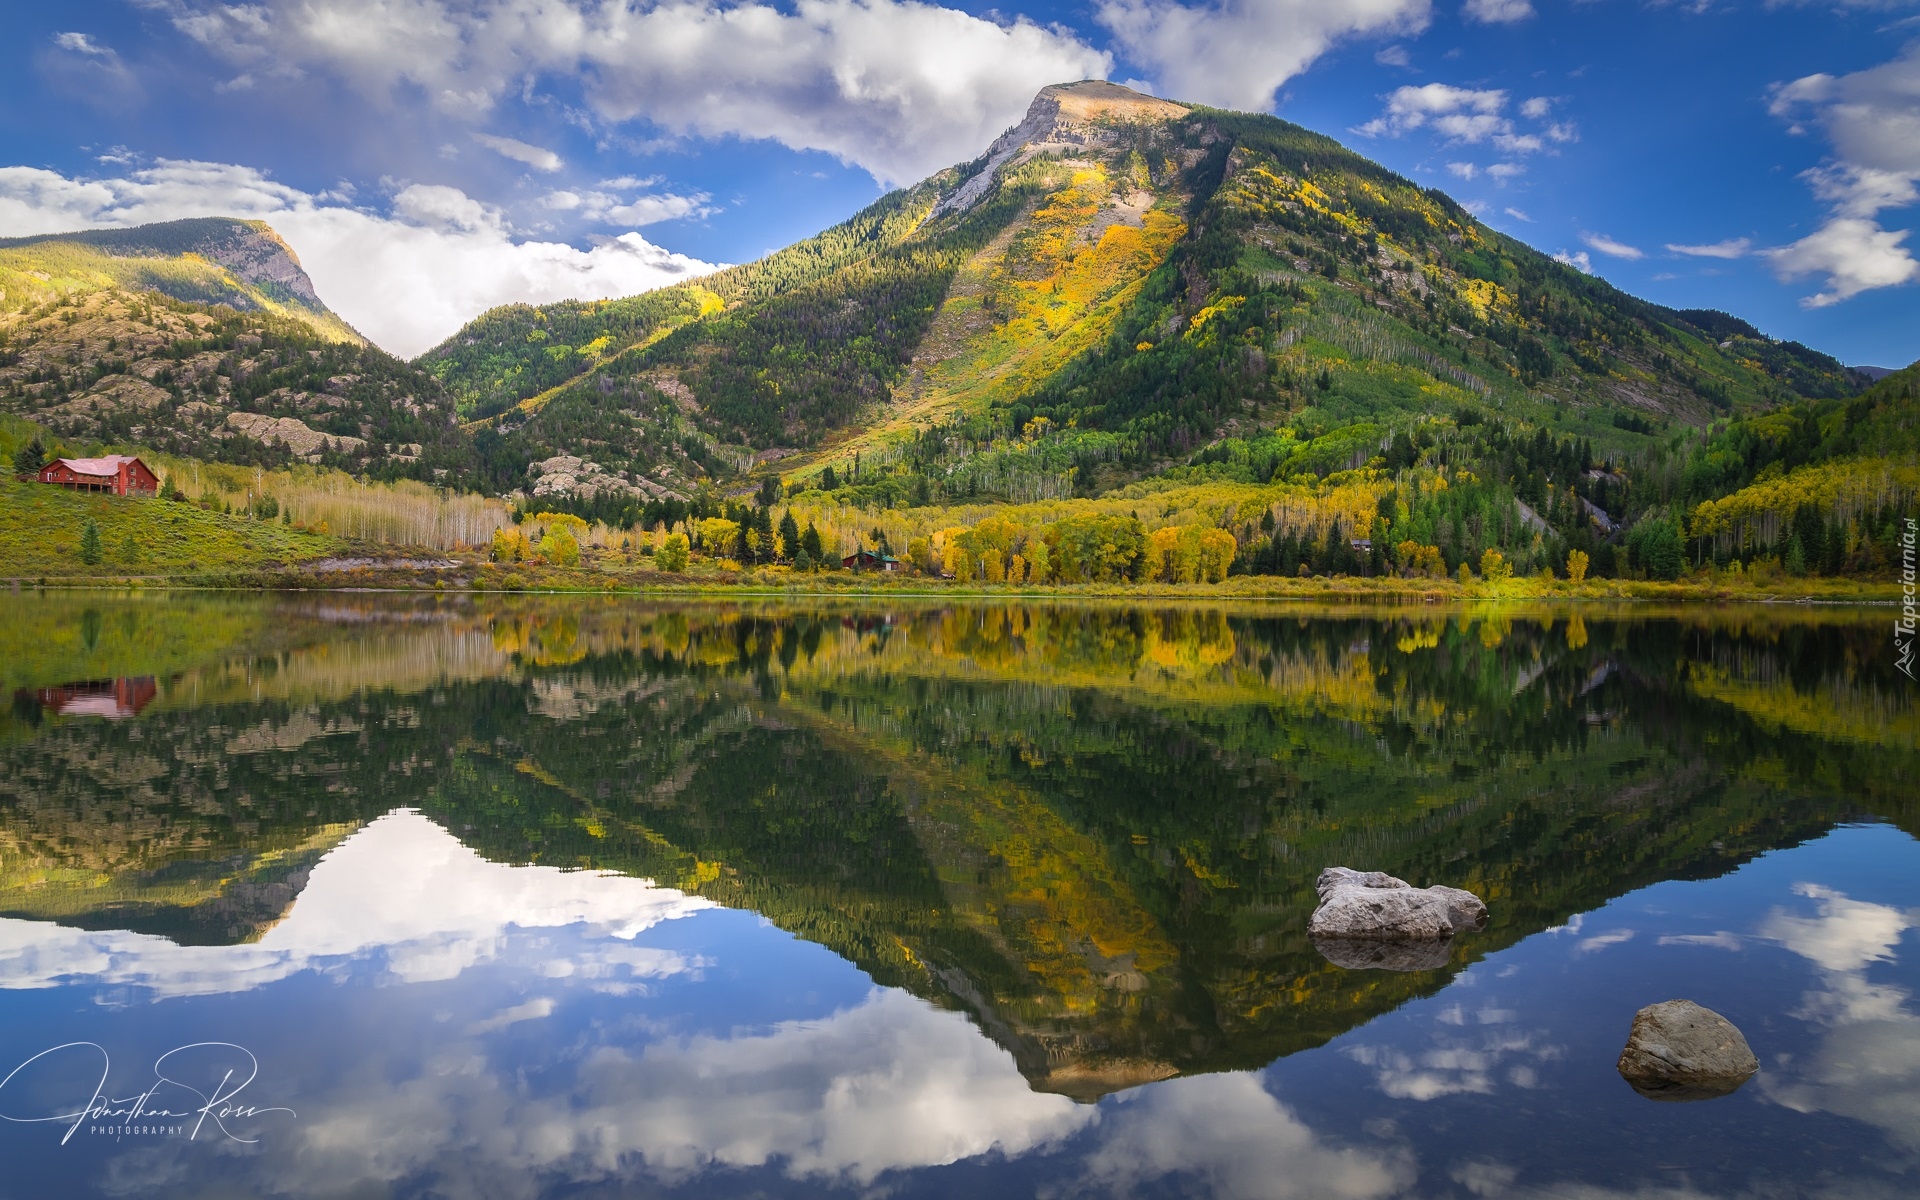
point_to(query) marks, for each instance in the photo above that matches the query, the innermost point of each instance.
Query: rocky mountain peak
(1063, 116)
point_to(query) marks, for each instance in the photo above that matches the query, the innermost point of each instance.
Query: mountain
(205, 260)
(1119, 282)
(206, 338)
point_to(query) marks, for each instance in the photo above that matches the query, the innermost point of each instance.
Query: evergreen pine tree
(31, 458)
(810, 542)
(790, 534)
(90, 543)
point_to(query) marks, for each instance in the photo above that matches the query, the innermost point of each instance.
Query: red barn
(121, 474)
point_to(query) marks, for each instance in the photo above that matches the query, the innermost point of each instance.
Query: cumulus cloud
(1867, 1064)
(1238, 1142)
(1872, 119)
(1580, 261)
(1465, 170)
(1466, 116)
(608, 208)
(534, 156)
(1237, 53)
(1611, 247)
(1461, 114)
(1497, 12)
(1854, 253)
(408, 278)
(897, 87)
(1731, 248)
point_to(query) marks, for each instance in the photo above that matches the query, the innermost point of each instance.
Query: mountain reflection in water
(820, 895)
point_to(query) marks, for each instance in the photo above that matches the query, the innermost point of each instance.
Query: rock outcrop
(1064, 116)
(1375, 906)
(296, 435)
(1681, 1051)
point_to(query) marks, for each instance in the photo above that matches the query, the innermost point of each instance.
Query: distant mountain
(205, 260)
(206, 338)
(1874, 373)
(1117, 283)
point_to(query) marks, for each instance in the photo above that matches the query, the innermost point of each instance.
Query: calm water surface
(387, 897)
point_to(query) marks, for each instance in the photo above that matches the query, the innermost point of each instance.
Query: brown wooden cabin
(870, 560)
(121, 474)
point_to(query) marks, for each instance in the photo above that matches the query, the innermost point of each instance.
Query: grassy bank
(43, 536)
(157, 542)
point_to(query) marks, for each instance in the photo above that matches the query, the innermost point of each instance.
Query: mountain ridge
(1123, 295)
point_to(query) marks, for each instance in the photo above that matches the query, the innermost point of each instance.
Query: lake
(361, 895)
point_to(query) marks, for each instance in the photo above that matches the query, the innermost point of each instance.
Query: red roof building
(109, 698)
(121, 474)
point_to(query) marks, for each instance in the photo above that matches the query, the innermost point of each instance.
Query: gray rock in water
(1374, 906)
(1680, 1051)
(1464, 909)
(1428, 954)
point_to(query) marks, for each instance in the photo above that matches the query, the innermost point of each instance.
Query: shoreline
(471, 580)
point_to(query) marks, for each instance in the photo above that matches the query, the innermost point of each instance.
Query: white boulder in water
(1375, 906)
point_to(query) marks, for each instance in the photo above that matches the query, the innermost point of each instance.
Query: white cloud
(1721, 940)
(447, 208)
(1393, 56)
(1612, 248)
(1844, 935)
(1855, 254)
(1465, 170)
(1517, 215)
(607, 208)
(79, 66)
(1731, 248)
(1862, 191)
(81, 43)
(534, 156)
(1867, 1064)
(407, 279)
(1235, 1141)
(898, 87)
(1237, 53)
(1455, 1064)
(1580, 261)
(1504, 171)
(1497, 12)
(1601, 941)
(402, 896)
(1461, 114)
(1872, 118)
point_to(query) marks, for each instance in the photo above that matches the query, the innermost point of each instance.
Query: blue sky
(429, 158)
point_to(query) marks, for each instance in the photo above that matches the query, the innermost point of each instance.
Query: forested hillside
(1127, 290)
(1174, 325)
(205, 339)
